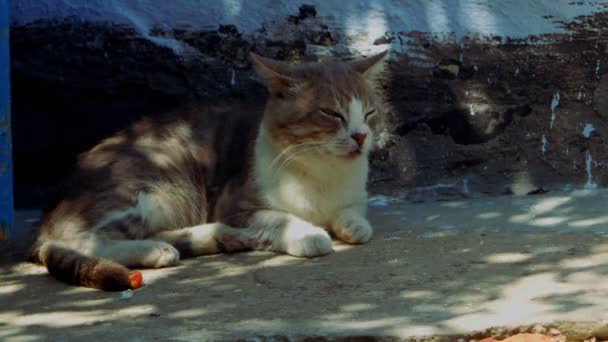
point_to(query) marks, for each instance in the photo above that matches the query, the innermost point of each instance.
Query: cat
(209, 180)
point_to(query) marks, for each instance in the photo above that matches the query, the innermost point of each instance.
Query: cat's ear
(370, 67)
(276, 75)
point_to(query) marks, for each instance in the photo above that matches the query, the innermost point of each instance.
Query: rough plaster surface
(482, 96)
(450, 268)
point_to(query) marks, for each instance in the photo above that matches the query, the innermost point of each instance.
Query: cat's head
(327, 109)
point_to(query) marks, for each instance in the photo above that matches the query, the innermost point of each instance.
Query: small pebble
(554, 332)
(126, 295)
(539, 329)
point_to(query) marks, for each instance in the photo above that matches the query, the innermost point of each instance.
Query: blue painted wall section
(7, 213)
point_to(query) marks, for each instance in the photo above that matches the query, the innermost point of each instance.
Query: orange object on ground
(525, 338)
(136, 280)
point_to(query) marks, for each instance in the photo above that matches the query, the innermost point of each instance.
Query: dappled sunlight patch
(60, 319)
(543, 267)
(586, 192)
(533, 286)
(342, 247)
(566, 210)
(548, 221)
(432, 217)
(338, 316)
(152, 276)
(587, 277)
(260, 325)
(358, 307)
(601, 248)
(519, 301)
(592, 260)
(417, 294)
(189, 313)
(282, 260)
(428, 307)
(544, 206)
(601, 220)
(91, 302)
(70, 318)
(231, 272)
(437, 17)
(506, 313)
(547, 250)
(436, 235)
(24, 268)
(365, 325)
(415, 330)
(134, 311)
(462, 251)
(489, 215)
(8, 289)
(225, 287)
(484, 21)
(361, 31)
(470, 300)
(6, 332)
(74, 290)
(456, 204)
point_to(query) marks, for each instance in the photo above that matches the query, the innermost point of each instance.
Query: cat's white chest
(313, 201)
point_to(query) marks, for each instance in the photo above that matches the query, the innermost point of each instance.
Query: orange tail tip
(136, 280)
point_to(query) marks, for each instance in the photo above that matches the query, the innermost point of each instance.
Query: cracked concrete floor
(433, 268)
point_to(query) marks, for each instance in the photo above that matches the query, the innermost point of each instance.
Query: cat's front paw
(310, 244)
(352, 229)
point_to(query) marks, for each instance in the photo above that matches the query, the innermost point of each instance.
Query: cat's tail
(75, 268)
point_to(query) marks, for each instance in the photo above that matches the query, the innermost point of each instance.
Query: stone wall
(507, 109)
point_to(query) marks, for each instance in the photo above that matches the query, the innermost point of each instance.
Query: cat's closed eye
(332, 113)
(369, 114)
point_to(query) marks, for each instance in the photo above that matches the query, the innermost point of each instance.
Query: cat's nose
(359, 138)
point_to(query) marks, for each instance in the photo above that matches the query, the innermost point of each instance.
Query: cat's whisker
(293, 156)
(288, 149)
(292, 150)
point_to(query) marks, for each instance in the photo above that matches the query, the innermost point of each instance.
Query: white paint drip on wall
(232, 78)
(465, 186)
(554, 105)
(589, 164)
(471, 110)
(597, 69)
(587, 130)
(543, 146)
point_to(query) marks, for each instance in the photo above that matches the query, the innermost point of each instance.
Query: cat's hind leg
(137, 253)
(204, 239)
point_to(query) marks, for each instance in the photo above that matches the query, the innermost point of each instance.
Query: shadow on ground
(433, 268)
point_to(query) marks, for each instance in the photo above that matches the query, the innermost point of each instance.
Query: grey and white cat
(209, 180)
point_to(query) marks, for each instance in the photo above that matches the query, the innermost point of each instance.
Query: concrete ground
(440, 268)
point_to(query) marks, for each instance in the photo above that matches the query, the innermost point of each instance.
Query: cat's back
(194, 136)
